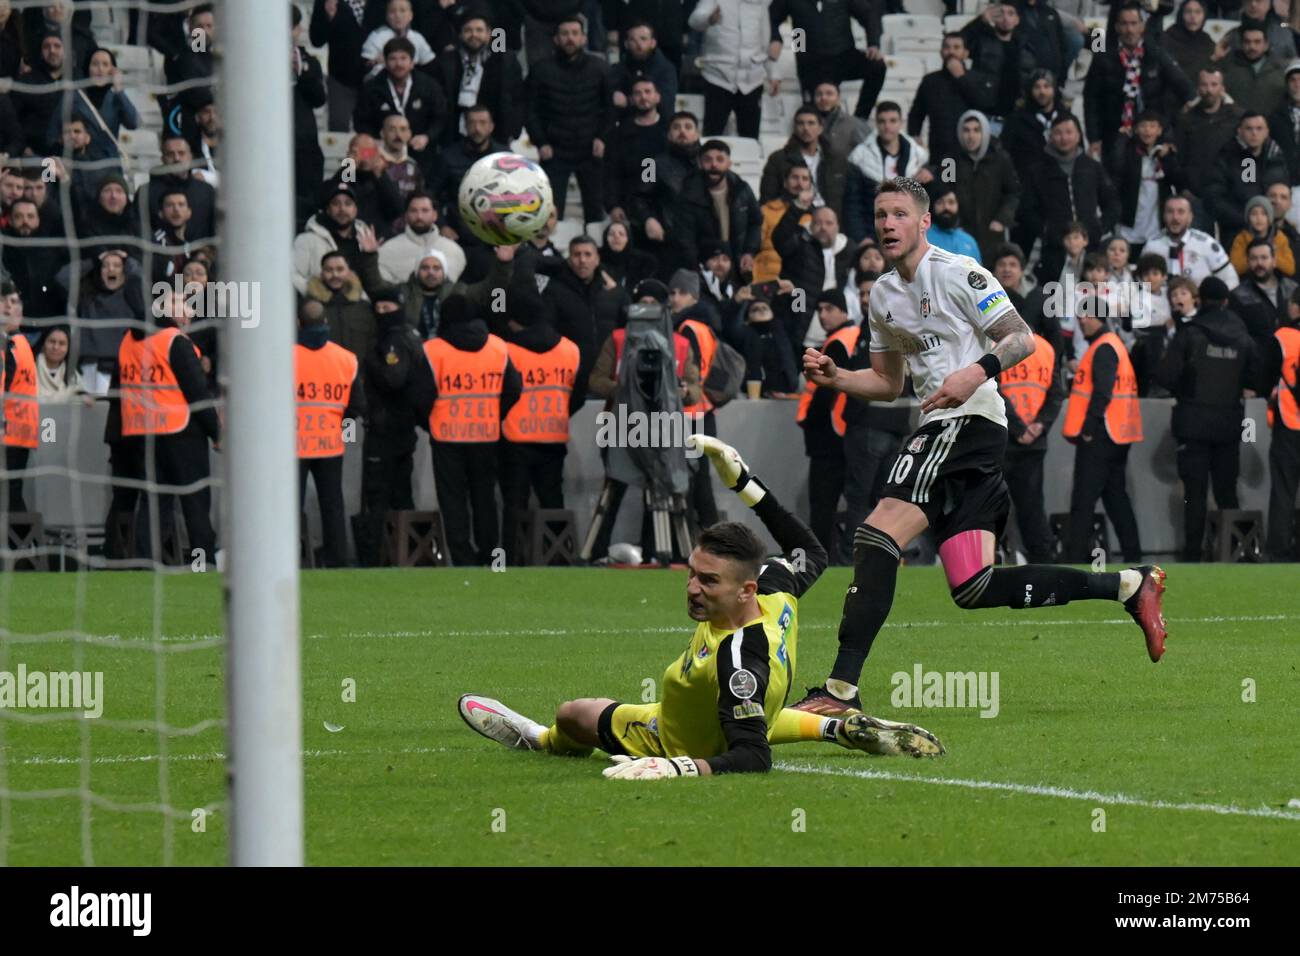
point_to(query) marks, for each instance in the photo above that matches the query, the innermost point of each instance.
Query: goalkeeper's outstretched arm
(803, 558)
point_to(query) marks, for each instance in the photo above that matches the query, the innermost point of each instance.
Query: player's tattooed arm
(1014, 341)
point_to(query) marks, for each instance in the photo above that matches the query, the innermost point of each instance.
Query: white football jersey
(937, 321)
(1198, 256)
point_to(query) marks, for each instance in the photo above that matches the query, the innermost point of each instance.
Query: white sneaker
(887, 738)
(496, 721)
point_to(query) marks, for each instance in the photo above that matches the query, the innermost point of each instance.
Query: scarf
(52, 383)
(1147, 152)
(1131, 60)
(358, 10)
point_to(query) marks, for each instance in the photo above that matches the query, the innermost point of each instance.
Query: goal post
(261, 509)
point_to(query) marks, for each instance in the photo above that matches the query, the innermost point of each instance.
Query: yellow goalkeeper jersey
(725, 678)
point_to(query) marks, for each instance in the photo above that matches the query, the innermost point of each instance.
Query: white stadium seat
(904, 67)
(918, 46)
(1217, 28)
(691, 103)
(897, 25)
(931, 8)
(334, 146)
(954, 22)
(140, 65)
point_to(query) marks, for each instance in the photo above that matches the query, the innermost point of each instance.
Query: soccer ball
(505, 199)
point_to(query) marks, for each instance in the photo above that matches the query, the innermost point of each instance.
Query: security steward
(165, 400)
(1207, 367)
(465, 390)
(821, 416)
(689, 322)
(1284, 452)
(536, 430)
(327, 392)
(389, 447)
(1102, 420)
(22, 418)
(1033, 392)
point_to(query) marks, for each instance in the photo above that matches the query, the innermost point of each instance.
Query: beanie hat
(652, 288)
(685, 281)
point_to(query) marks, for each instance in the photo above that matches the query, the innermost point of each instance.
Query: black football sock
(1034, 585)
(875, 573)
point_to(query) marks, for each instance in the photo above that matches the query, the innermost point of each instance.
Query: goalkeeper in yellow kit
(724, 699)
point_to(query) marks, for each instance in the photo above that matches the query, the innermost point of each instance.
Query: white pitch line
(1044, 622)
(1062, 793)
(216, 755)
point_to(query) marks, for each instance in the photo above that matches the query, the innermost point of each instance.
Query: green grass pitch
(1185, 770)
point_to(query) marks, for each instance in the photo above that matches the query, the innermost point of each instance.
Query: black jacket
(1282, 131)
(390, 413)
(1226, 193)
(308, 96)
(501, 90)
(12, 137)
(1043, 35)
(828, 24)
(1206, 366)
(1164, 85)
(33, 268)
(695, 222)
(1262, 315)
(345, 38)
(202, 197)
(625, 180)
(35, 109)
(672, 166)
(1126, 165)
(802, 261)
(831, 173)
(1052, 200)
(1200, 137)
(583, 312)
(943, 99)
(1008, 64)
(570, 104)
(1023, 136)
(426, 108)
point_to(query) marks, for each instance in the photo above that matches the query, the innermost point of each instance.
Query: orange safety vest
(1027, 383)
(708, 343)
(22, 411)
(1289, 339)
(542, 412)
(848, 337)
(1123, 414)
(322, 381)
(152, 400)
(468, 406)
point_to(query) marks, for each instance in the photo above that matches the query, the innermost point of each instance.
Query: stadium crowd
(1168, 166)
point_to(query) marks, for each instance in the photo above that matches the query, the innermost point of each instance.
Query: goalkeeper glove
(731, 468)
(651, 768)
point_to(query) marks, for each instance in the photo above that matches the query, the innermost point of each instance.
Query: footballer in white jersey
(947, 321)
(938, 321)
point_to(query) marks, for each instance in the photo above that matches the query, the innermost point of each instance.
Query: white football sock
(840, 689)
(1129, 582)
